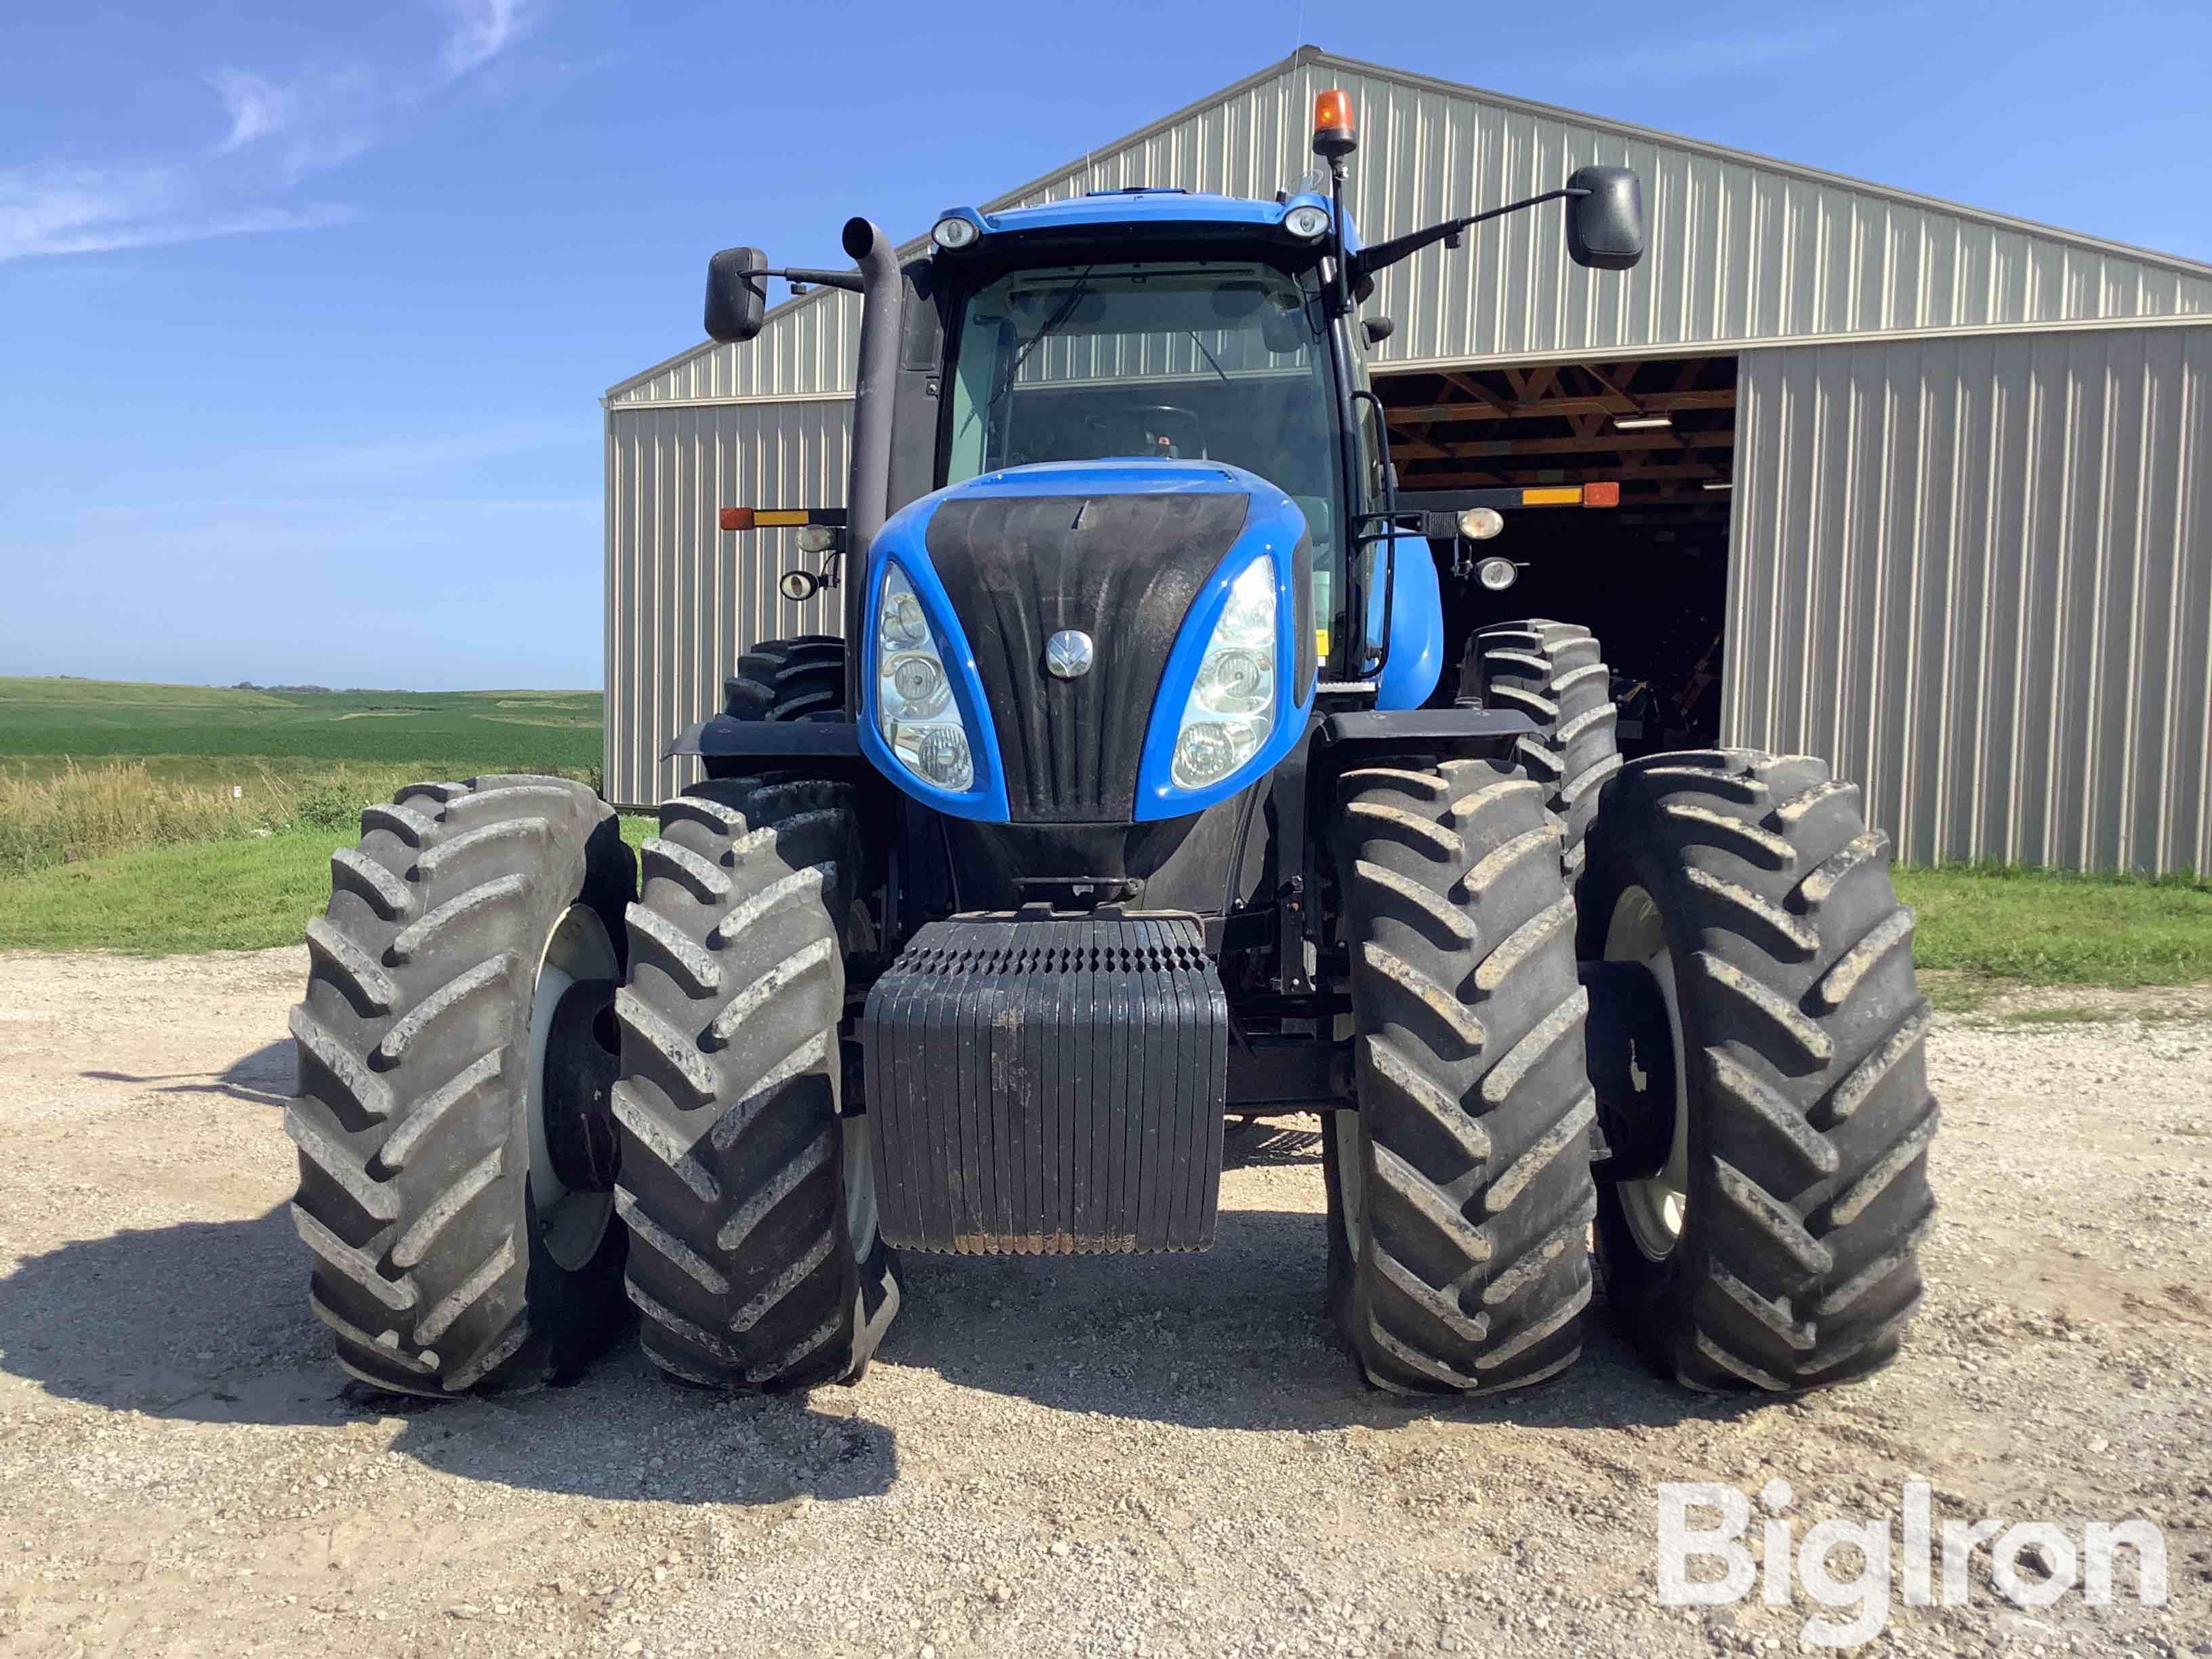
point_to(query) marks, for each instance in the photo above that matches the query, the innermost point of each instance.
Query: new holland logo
(1068, 654)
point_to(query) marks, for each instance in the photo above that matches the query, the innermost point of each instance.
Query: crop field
(207, 789)
(199, 733)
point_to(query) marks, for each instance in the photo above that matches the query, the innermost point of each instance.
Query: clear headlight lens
(1306, 221)
(1231, 707)
(901, 621)
(913, 695)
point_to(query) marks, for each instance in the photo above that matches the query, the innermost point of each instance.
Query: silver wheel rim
(570, 1223)
(860, 1186)
(1350, 1176)
(1343, 1128)
(1656, 1208)
(860, 1214)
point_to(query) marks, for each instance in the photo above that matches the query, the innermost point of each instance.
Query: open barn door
(1650, 578)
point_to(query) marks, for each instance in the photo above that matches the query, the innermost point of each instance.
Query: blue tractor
(1143, 788)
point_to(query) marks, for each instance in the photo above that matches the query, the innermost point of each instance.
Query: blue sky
(304, 310)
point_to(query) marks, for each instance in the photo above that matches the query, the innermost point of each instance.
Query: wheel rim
(1656, 1208)
(860, 1186)
(860, 1213)
(571, 1217)
(1350, 1176)
(1343, 1128)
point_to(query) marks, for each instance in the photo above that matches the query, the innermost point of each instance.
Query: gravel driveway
(1134, 1456)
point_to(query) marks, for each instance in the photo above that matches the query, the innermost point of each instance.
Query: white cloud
(279, 132)
(256, 107)
(481, 30)
(102, 213)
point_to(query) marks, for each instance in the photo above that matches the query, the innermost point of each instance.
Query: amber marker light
(1333, 130)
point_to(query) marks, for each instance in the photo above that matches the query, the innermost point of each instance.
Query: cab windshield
(1216, 361)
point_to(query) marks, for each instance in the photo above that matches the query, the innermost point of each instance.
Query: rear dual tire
(795, 680)
(1553, 672)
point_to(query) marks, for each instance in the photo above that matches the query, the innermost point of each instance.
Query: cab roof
(1143, 205)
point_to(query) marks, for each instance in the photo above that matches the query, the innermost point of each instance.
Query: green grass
(2048, 927)
(245, 895)
(1982, 932)
(214, 896)
(452, 730)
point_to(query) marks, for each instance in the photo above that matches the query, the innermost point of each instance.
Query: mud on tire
(755, 1258)
(1459, 1193)
(432, 1264)
(1803, 1157)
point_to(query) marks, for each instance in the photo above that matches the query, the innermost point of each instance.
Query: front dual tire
(756, 1260)
(1459, 1193)
(1774, 1247)
(460, 1124)
(1765, 1240)
(456, 1049)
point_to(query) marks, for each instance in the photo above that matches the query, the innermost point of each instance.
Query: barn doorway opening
(1649, 577)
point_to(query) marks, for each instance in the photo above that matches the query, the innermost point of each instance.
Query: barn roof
(1744, 250)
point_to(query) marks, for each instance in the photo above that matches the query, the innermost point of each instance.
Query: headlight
(953, 232)
(1231, 707)
(915, 709)
(1306, 223)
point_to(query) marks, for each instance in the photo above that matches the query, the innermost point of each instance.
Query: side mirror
(737, 294)
(1604, 227)
(1375, 330)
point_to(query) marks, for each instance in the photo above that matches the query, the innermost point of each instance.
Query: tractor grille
(1124, 569)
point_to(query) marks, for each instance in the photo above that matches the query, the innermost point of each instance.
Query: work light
(1305, 223)
(953, 232)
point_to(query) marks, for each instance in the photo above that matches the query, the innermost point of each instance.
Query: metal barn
(1916, 487)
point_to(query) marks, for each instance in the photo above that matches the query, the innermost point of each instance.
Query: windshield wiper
(1210, 363)
(1066, 309)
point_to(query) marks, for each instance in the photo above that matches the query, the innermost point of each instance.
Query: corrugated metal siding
(1742, 249)
(683, 599)
(1977, 573)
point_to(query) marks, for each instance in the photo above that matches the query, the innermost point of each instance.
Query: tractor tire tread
(413, 1043)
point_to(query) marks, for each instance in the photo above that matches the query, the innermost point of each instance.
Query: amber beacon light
(1333, 131)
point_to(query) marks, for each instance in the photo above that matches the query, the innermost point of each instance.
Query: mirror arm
(848, 280)
(1383, 255)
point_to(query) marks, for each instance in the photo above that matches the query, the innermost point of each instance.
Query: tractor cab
(1159, 325)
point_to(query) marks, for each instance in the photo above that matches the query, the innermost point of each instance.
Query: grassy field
(161, 819)
(235, 895)
(209, 733)
(91, 768)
